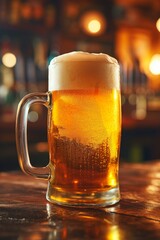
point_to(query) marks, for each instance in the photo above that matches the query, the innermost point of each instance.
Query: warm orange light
(94, 26)
(113, 233)
(155, 64)
(93, 23)
(158, 24)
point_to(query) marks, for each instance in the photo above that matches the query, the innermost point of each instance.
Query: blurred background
(33, 32)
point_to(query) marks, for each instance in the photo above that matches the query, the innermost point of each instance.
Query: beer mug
(84, 130)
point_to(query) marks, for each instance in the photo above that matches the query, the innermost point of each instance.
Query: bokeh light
(94, 26)
(93, 23)
(158, 24)
(9, 60)
(33, 116)
(155, 64)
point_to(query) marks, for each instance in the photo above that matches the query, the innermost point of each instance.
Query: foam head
(81, 70)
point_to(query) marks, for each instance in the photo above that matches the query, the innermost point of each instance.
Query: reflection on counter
(89, 224)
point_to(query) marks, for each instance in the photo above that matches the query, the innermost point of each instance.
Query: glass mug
(84, 130)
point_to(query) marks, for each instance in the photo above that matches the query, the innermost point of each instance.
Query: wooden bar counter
(25, 214)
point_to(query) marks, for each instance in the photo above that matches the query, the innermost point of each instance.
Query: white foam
(83, 56)
(82, 70)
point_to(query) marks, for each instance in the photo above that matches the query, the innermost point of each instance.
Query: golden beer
(84, 141)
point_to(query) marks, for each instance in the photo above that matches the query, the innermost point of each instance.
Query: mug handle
(21, 134)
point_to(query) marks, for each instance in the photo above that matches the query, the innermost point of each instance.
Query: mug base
(79, 199)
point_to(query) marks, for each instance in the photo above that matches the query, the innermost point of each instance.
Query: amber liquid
(84, 140)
